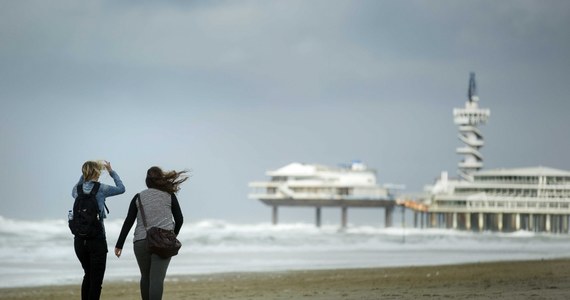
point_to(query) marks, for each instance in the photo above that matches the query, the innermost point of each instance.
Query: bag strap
(141, 208)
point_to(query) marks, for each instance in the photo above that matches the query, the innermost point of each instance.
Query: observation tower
(468, 119)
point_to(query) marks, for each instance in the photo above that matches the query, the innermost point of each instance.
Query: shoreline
(545, 279)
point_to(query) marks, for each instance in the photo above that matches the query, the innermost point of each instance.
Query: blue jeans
(153, 271)
(93, 257)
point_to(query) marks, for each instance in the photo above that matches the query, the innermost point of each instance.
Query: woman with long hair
(161, 210)
(92, 251)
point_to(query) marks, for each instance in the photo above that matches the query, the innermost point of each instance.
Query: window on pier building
(513, 179)
(454, 203)
(557, 180)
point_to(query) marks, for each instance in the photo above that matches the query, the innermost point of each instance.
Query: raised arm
(118, 189)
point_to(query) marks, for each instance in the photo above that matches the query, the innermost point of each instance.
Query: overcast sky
(231, 89)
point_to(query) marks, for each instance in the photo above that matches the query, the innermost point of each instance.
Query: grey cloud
(233, 88)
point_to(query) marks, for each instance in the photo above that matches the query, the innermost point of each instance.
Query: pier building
(533, 199)
(318, 186)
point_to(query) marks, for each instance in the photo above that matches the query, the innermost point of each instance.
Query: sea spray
(38, 252)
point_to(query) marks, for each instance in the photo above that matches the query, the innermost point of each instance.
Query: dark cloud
(230, 89)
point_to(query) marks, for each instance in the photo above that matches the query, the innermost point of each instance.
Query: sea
(35, 253)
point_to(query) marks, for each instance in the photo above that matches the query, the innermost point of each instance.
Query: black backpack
(85, 222)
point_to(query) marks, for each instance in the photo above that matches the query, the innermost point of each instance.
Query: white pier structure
(318, 186)
(468, 119)
(533, 199)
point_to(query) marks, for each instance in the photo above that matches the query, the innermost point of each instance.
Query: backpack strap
(80, 189)
(94, 189)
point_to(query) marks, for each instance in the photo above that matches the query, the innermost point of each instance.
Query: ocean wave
(220, 236)
(30, 250)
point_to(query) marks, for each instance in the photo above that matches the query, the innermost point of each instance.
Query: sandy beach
(546, 279)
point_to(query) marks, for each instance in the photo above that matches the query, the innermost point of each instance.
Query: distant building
(534, 199)
(318, 186)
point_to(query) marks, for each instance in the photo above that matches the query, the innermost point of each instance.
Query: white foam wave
(30, 250)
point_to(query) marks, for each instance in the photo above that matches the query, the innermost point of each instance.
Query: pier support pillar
(318, 217)
(274, 216)
(480, 223)
(388, 216)
(422, 219)
(500, 221)
(517, 222)
(454, 222)
(344, 216)
(432, 220)
(531, 222)
(415, 219)
(468, 221)
(547, 229)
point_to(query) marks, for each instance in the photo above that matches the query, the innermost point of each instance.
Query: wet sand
(547, 279)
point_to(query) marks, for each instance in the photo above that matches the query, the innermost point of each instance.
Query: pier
(317, 186)
(495, 222)
(534, 198)
(504, 200)
(387, 205)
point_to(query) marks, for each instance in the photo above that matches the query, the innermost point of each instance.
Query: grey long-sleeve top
(161, 209)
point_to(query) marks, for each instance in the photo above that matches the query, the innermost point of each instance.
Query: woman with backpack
(160, 209)
(87, 224)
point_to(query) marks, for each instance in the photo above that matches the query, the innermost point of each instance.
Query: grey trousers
(153, 271)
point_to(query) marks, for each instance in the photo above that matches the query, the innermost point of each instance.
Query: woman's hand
(118, 252)
(108, 166)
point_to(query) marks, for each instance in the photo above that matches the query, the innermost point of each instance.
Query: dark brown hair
(165, 181)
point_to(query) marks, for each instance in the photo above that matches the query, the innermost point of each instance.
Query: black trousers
(153, 271)
(93, 257)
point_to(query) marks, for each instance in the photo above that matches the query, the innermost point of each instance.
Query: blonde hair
(91, 170)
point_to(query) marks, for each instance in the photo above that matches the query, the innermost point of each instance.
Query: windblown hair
(91, 170)
(165, 181)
